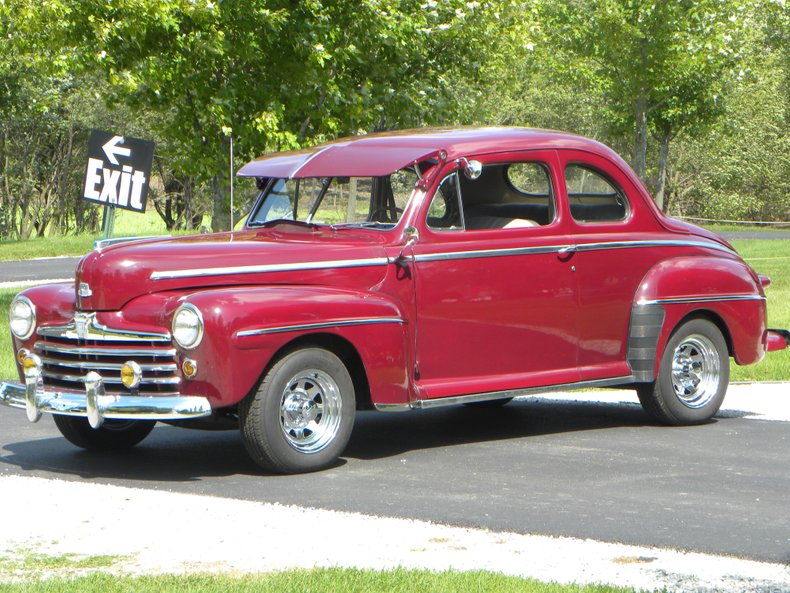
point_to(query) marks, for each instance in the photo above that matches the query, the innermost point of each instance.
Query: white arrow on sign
(111, 149)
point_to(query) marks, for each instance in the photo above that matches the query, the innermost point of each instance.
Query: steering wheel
(389, 211)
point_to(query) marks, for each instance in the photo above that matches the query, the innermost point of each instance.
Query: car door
(616, 241)
(495, 292)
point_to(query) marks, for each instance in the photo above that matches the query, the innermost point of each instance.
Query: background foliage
(695, 92)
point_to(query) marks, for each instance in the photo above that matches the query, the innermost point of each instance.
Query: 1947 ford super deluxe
(395, 271)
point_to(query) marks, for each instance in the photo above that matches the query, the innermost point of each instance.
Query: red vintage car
(395, 271)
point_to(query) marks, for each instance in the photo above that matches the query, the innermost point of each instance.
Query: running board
(424, 404)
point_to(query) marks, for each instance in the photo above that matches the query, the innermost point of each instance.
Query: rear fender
(724, 290)
(246, 327)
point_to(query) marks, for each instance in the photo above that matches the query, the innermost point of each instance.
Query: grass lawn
(127, 224)
(330, 580)
(726, 228)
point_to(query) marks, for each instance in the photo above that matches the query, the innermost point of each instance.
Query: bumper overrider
(94, 404)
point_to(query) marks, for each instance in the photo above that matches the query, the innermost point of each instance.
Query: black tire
(112, 435)
(693, 376)
(301, 416)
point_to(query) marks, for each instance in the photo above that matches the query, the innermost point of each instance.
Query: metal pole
(231, 182)
(109, 219)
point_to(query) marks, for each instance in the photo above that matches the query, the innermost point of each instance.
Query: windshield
(358, 201)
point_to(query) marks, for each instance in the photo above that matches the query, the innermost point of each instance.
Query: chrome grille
(69, 352)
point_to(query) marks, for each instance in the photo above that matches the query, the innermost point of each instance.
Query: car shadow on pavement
(168, 455)
(172, 454)
(381, 435)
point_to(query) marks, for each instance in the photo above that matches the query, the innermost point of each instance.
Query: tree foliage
(709, 79)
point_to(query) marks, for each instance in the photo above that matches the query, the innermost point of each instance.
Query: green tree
(661, 64)
(276, 74)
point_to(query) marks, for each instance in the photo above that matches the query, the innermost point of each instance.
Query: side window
(592, 197)
(504, 196)
(444, 212)
(508, 195)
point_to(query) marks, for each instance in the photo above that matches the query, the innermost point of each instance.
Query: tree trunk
(663, 163)
(639, 161)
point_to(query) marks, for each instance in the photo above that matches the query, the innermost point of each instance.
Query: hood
(117, 274)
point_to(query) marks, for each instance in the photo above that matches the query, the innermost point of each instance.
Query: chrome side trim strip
(654, 243)
(321, 325)
(564, 249)
(44, 347)
(262, 269)
(113, 407)
(430, 257)
(705, 299)
(85, 327)
(492, 395)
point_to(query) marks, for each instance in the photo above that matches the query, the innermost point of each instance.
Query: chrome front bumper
(94, 404)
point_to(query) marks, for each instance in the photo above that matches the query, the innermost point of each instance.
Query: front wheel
(110, 436)
(693, 376)
(301, 417)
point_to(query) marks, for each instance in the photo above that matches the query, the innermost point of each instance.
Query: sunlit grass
(127, 224)
(325, 580)
(7, 364)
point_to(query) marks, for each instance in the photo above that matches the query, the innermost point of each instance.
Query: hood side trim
(267, 268)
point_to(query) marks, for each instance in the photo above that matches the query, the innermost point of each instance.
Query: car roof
(380, 154)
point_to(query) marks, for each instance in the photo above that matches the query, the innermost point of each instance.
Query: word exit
(122, 188)
(118, 170)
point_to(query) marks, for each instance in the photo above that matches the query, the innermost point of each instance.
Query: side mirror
(411, 238)
(472, 169)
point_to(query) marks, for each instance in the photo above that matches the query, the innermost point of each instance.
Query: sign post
(117, 174)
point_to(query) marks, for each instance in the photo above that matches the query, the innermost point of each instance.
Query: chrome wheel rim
(310, 411)
(695, 371)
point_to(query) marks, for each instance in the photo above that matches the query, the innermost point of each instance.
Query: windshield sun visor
(355, 159)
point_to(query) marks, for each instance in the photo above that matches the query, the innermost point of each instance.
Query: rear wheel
(693, 376)
(111, 435)
(301, 417)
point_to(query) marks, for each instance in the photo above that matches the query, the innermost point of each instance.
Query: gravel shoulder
(161, 532)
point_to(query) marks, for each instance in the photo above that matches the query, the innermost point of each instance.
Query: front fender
(724, 289)
(245, 327)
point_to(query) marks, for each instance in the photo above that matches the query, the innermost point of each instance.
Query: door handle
(567, 250)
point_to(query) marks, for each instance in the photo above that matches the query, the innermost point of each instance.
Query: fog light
(131, 374)
(21, 355)
(189, 367)
(31, 361)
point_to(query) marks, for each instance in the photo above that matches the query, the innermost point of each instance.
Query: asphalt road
(584, 470)
(56, 268)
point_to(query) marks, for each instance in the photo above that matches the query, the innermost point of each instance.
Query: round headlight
(188, 326)
(22, 317)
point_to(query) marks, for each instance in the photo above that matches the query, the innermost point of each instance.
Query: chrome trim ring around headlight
(199, 337)
(29, 304)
